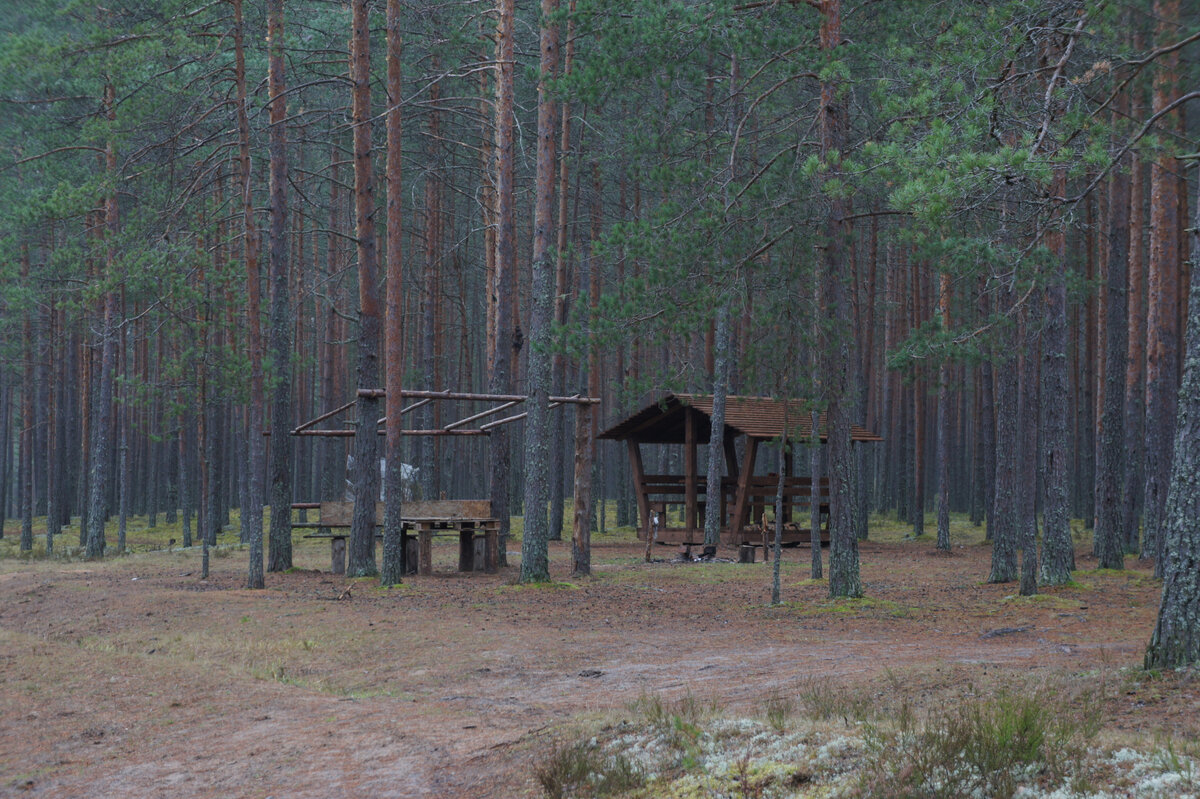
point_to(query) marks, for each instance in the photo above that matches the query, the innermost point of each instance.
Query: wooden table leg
(491, 562)
(412, 554)
(425, 550)
(466, 547)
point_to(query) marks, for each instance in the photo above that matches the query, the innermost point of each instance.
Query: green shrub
(582, 770)
(984, 747)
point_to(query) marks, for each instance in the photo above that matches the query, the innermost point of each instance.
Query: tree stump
(337, 548)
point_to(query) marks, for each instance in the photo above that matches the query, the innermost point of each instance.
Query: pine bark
(279, 550)
(1002, 520)
(716, 445)
(361, 549)
(25, 453)
(101, 429)
(393, 493)
(1176, 638)
(1110, 467)
(559, 380)
(1162, 334)
(1058, 556)
(1131, 488)
(942, 458)
(508, 335)
(844, 580)
(535, 565)
(252, 513)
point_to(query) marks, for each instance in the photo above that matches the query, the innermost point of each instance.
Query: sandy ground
(132, 678)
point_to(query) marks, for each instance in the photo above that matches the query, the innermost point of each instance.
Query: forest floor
(132, 677)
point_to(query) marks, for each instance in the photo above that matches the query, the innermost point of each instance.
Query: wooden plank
(689, 468)
(339, 514)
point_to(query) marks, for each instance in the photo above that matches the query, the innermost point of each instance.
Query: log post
(337, 550)
(466, 547)
(424, 550)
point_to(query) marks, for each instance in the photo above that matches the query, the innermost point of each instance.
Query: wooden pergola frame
(458, 427)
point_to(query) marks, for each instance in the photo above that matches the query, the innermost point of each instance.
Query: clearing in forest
(131, 677)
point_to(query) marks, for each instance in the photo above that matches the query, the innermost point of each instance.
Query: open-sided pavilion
(686, 419)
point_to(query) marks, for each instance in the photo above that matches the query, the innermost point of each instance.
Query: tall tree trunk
(99, 447)
(5, 446)
(716, 441)
(987, 437)
(361, 559)
(1176, 639)
(844, 578)
(123, 413)
(559, 382)
(430, 306)
(1058, 556)
(25, 454)
(1109, 533)
(1162, 334)
(251, 514)
(508, 335)
(55, 463)
(942, 458)
(1002, 521)
(393, 489)
(185, 482)
(279, 548)
(814, 498)
(587, 418)
(1027, 426)
(534, 556)
(1135, 397)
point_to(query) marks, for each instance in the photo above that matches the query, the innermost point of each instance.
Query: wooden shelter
(686, 419)
(469, 519)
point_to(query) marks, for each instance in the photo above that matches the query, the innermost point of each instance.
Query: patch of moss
(1129, 575)
(851, 606)
(1049, 600)
(548, 584)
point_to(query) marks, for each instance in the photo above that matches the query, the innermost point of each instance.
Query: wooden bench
(470, 519)
(798, 501)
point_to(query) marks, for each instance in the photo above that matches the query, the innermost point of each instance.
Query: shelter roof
(757, 417)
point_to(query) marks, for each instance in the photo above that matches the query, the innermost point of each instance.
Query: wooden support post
(740, 507)
(746, 554)
(412, 554)
(731, 462)
(639, 486)
(466, 547)
(724, 520)
(491, 561)
(789, 469)
(337, 551)
(689, 471)
(424, 550)
(479, 546)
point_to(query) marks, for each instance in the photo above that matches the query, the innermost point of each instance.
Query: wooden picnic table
(470, 519)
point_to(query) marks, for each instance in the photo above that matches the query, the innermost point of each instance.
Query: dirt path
(132, 679)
